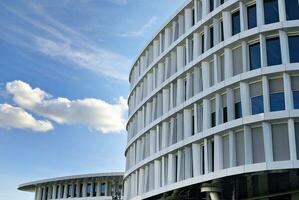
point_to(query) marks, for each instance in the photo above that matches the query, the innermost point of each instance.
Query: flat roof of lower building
(30, 186)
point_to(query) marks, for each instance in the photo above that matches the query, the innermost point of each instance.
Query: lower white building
(99, 186)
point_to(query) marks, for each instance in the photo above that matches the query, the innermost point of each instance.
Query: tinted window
(224, 114)
(211, 5)
(251, 11)
(273, 52)
(254, 56)
(211, 37)
(294, 48)
(236, 23)
(222, 34)
(257, 105)
(292, 9)
(238, 110)
(213, 119)
(277, 101)
(296, 99)
(271, 11)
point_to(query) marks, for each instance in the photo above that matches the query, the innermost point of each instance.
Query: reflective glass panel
(294, 48)
(271, 11)
(236, 23)
(254, 56)
(257, 105)
(251, 12)
(273, 52)
(277, 101)
(292, 9)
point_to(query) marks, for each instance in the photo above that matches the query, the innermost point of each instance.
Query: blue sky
(63, 84)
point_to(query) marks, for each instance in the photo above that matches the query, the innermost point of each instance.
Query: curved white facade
(100, 186)
(214, 95)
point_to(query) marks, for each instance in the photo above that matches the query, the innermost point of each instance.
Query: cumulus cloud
(93, 113)
(15, 117)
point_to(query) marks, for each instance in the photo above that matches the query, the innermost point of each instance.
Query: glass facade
(257, 105)
(236, 23)
(254, 56)
(294, 48)
(296, 99)
(273, 51)
(211, 37)
(277, 101)
(213, 119)
(292, 9)
(238, 110)
(251, 20)
(271, 11)
(224, 114)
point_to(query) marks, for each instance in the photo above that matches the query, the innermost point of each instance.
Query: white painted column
(292, 139)
(288, 94)
(181, 25)
(44, 193)
(165, 131)
(206, 38)
(188, 162)
(282, 11)
(268, 142)
(165, 93)
(39, 193)
(167, 37)
(171, 170)
(218, 157)
(232, 149)
(216, 33)
(152, 142)
(53, 191)
(245, 99)
(180, 171)
(195, 118)
(243, 16)
(263, 51)
(196, 80)
(180, 57)
(180, 91)
(187, 123)
(227, 24)
(218, 109)
(195, 4)
(171, 99)
(196, 159)
(188, 18)
(217, 74)
(157, 139)
(157, 164)
(228, 63)
(230, 104)
(260, 13)
(196, 45)
(141, 180)
(206, 153)
(84, 192)
(205, 8)
(248, 145)
(245, 55)
(284, 47)
(164, 177)
(206, 75)
(266, 97)
(206, 114)
(189, 91)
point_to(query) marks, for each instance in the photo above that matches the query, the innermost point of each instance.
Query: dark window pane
(271, 11)
(277, 101)
(211, 37)
(222, 34)
(251, 11)
(224, 114)
(257, 105)
(296, 99)
(273, 52)
(254, 56)
(238, 110)
(213, 119)
(292, 9)
(202, 43)
(294, 48)
(211, 5)
(236, 23)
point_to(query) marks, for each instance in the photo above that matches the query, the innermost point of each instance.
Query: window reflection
(271, 11)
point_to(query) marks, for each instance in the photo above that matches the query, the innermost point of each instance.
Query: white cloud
(53, 38)
(142, 30)
(93, 113)
(14, 117)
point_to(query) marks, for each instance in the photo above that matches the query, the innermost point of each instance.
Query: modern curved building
(214, 104)
(100, 186)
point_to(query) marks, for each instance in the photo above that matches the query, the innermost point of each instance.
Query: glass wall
(271, 12)
(236, 23)
(251, 20)
(277, 101)
(295, 89)
(256, 95)
(273, 51)
(292, 9)
(254, 56)
(294, 48)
